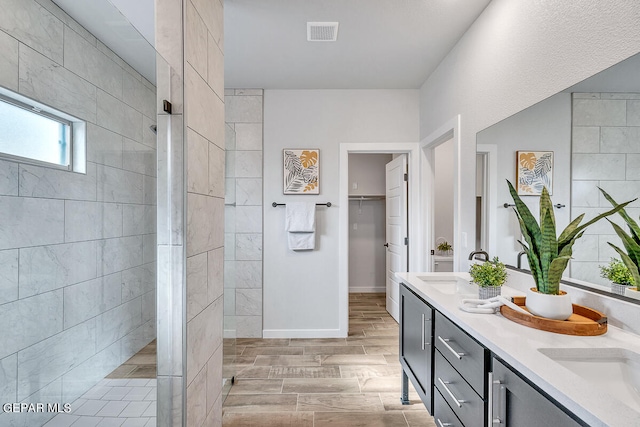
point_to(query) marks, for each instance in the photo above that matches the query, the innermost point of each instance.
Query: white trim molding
(300, 333)
(416, 245)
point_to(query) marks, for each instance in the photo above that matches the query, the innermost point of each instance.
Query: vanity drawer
(462, 399)
(466, 355)
(443, 415)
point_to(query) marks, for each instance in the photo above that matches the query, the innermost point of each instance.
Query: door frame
(450, 130)
(416, 224)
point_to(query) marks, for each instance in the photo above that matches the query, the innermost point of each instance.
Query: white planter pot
(618, 289)
(557, 307)
(489, 291)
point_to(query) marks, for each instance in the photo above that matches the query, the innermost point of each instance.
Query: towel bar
(328, 204)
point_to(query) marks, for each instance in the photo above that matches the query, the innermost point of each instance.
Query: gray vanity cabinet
(460, 381)
(416, 333)
(516, 403)
(459, 373)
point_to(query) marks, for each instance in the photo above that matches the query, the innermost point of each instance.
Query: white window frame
(77, 132)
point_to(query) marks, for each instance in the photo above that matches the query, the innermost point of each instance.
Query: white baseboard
(302, 333)
(367, 289)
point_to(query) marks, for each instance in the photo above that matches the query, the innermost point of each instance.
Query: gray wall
(301, 295)
(490, 75)
(77, 258)
(606, 154)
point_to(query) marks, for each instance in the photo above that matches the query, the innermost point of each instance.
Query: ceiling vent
(322, 31)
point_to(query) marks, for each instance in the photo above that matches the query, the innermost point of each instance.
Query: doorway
(411, 150)
(377, 225)
(367, 210)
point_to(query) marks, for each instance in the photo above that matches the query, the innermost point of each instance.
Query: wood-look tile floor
(350, 382)
(140, 365)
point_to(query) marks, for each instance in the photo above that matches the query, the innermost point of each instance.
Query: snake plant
(549, 255)
(631, 243)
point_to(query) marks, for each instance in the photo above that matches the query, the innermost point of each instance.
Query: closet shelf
(367, 197)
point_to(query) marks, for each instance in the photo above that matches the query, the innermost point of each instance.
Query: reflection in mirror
(78, 249)
(593, 130)
(229, 361)
(443, 202)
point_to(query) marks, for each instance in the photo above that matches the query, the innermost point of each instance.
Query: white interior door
(396, 229)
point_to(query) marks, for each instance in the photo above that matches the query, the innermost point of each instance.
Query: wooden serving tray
(584, 321)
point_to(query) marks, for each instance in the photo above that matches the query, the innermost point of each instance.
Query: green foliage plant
(631, 242)
(444, 246)
(549, 255)
(617, 272)
(489, 273)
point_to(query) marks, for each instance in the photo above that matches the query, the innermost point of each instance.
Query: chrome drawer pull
(441, 424)
(457, 401)
(423, 331)
(445, 341)
(490, 402)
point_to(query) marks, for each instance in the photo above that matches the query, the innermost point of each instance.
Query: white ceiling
(111, 22)
(382, 44)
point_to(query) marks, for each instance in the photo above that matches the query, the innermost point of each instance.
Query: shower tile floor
(345, 382)
(125, 398)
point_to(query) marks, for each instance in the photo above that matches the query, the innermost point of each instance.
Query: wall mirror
(592, 130)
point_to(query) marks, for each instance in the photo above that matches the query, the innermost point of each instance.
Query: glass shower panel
(77, 250)
(229, 368)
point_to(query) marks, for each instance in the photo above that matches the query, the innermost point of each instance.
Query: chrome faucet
(480, 252)
(519, 263)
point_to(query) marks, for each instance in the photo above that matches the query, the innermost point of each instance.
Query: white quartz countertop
(518, 346)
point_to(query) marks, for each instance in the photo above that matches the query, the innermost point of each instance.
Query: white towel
(300, 216)
(301, 241)
(300, 224)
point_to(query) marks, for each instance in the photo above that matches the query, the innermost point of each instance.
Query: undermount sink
(615, 371)
(448, 284)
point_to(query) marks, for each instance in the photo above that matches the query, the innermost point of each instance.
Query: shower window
(34, 133)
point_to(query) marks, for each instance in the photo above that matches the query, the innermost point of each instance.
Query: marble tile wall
(204, 237)
(605, 135)
(77, 251)
(243, 212)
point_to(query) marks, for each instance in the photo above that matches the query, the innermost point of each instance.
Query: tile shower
(606, 154)
(243, 213)
(77, 251)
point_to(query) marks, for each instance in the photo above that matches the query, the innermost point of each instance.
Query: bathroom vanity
(477, 370)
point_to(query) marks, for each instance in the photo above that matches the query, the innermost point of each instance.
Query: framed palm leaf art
(301, 171)
(534, 171)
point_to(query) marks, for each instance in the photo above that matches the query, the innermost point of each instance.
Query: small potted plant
(619, 275)
(548, 254)
(489, 276)
(444, 248)
(630, 255)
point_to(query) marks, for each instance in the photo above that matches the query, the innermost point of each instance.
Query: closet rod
(365, 198)
(328, 204)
